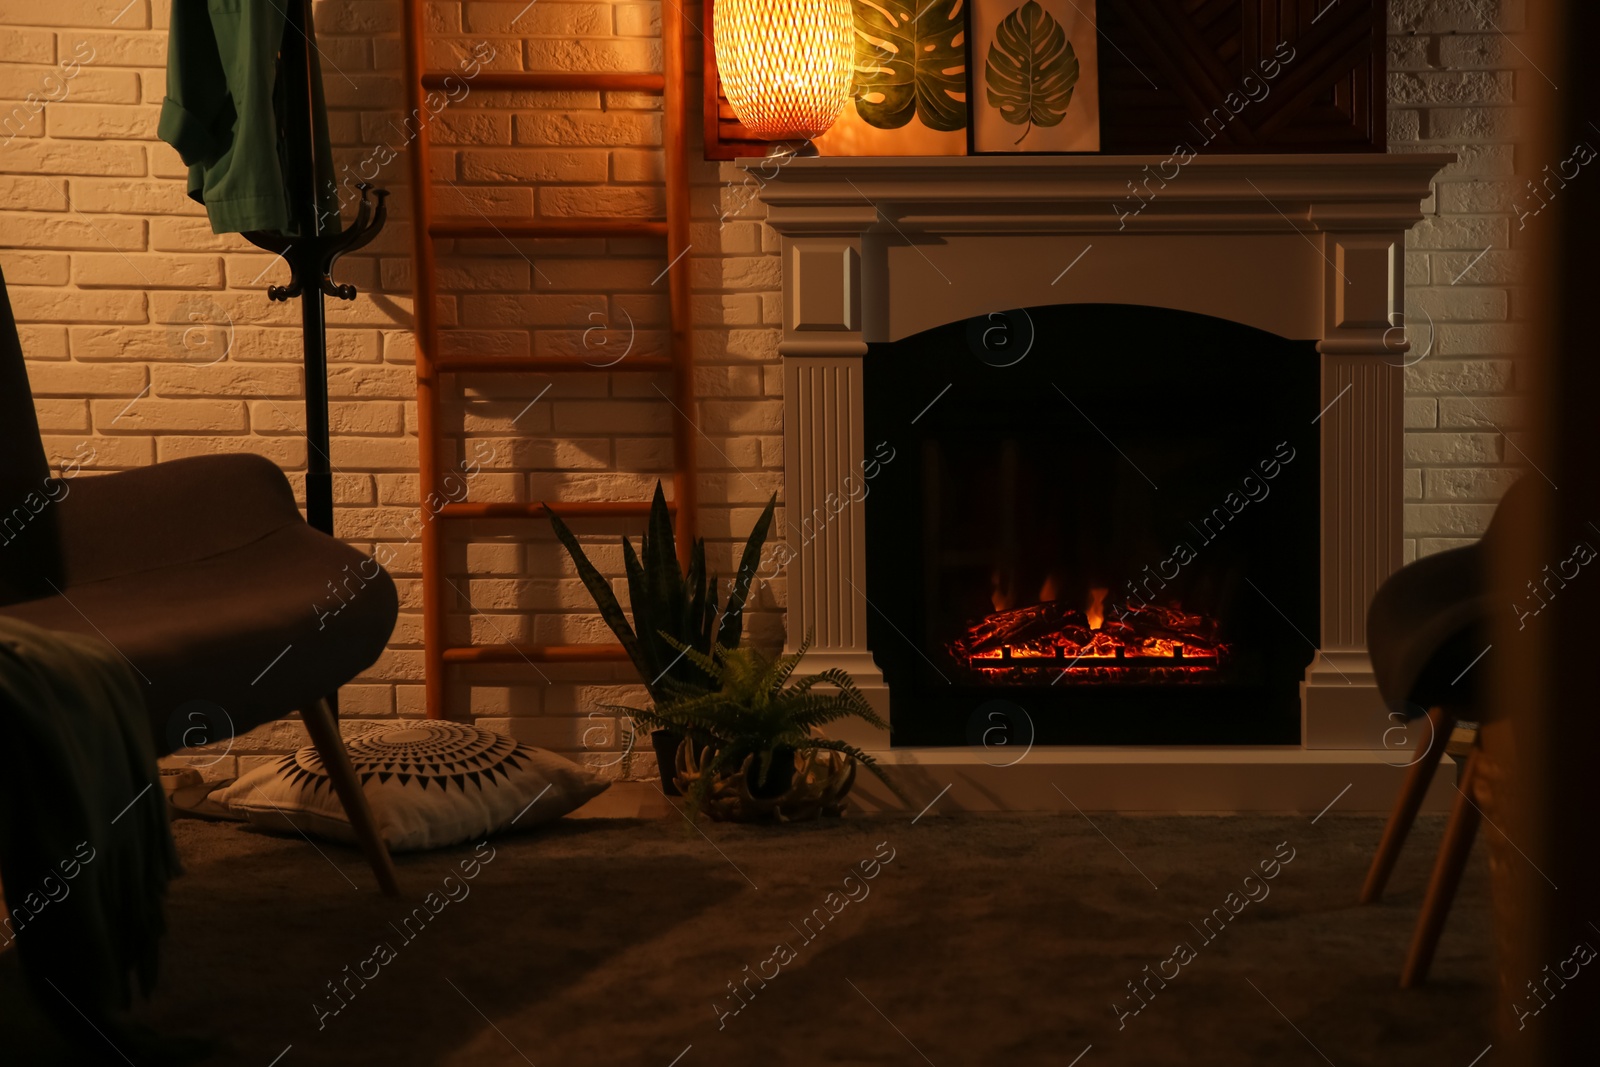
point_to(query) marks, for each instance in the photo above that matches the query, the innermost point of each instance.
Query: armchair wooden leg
(1447, 870)
(330, 746)
(1406, 805)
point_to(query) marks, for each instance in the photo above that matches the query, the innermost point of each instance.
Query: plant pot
(795, 793)
(780, 776)
(666, 743)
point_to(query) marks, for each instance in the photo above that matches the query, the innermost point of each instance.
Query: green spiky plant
(671, 609)
(752, 709)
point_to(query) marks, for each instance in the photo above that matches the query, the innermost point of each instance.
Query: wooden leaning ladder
(679, 360)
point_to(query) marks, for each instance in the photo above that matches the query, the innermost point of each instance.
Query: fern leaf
(789, 663)
(866, 761)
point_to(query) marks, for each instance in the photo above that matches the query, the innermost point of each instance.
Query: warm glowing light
(1096, 611)
(1050, 641)
(785, 64)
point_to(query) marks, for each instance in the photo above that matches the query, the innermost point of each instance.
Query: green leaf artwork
(911, 62)
(1031, 69)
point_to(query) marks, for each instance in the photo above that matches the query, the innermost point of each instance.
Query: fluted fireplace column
(825, 452)
(1362, 438)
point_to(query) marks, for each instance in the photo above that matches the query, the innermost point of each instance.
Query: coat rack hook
(370, 217)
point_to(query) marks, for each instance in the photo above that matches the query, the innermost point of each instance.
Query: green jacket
(222, 113)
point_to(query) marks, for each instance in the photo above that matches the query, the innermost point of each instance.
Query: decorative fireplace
(1106, 519)
(1262, 295)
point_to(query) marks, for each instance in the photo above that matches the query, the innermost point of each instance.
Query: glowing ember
(1155, 643)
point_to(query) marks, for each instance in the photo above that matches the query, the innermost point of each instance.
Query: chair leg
(330, 746)
(1447, 870)
(1406, 805)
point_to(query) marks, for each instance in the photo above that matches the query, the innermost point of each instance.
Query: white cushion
(431, 783)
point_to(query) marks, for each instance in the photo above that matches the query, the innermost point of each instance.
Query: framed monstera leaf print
(908, 95)
(1034, 76)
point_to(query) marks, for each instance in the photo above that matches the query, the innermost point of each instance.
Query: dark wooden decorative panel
(1174, 72)
(1329, 97)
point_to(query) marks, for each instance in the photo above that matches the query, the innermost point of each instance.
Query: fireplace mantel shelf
(1308, 247)
(1089, 194)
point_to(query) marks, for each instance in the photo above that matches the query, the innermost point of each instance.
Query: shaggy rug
(1030, 939)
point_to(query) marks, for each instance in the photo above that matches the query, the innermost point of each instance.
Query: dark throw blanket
(85, 848)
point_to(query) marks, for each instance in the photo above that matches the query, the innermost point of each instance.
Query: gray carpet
(985, 940)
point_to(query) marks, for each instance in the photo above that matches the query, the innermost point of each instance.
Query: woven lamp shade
(785, 64)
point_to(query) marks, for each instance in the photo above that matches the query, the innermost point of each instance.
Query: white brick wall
(1454, 79)
(153, 338)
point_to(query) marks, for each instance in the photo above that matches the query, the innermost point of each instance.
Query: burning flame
(1049, 641)
(1095, 612)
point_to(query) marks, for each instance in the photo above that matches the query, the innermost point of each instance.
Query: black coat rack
(311, 258)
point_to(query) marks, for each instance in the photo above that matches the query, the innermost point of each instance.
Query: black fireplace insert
(1093, 524)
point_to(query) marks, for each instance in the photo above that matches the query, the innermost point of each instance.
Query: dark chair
(1427, 634)
(203, 575)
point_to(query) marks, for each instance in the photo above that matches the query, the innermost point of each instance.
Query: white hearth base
(1200, 781)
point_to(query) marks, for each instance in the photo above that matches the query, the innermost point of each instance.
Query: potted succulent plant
(755, 721)
(675, 613)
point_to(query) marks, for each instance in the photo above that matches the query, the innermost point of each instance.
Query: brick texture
(1454, 78)
(151, 338)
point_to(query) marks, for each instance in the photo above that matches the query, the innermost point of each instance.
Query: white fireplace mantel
(1309, 247)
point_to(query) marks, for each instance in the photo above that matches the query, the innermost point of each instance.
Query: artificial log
(1053, 631)
(1022, 625)
(1158, 620)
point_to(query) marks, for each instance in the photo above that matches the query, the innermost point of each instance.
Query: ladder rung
(547, 364)
(676, 355)
(479, 226)
(516, 653)
(546, 80)
(577, 509)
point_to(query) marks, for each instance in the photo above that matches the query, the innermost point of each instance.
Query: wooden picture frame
(1033, 77)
